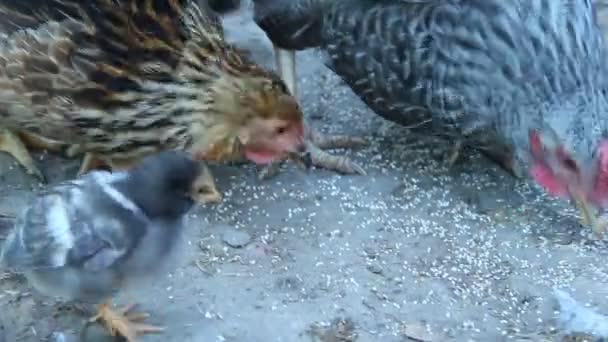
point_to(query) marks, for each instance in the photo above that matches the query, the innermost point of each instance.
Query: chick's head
(260, 121)
(167, 184)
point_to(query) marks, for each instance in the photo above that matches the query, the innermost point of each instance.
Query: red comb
(545, 178)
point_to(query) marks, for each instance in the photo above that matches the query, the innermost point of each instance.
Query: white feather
(106, 179)
(60, 229)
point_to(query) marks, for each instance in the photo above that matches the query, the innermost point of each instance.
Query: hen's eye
(281, 130)
(570, 164)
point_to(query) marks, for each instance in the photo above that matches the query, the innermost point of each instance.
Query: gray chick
(523, 81)
(84, 239)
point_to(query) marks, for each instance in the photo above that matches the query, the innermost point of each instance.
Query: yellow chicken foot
(286, 68)
(123, 322)
(11, 144)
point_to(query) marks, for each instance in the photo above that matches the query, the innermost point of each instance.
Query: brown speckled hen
(122, 79)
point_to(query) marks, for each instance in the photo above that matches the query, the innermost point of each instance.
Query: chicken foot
(123, 322)
(13, 145)
(315, 143)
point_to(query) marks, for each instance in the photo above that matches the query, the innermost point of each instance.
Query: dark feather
(485, 71)
(224, 6)
(6, 224)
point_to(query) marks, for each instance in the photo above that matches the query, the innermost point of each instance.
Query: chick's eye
(281, 130)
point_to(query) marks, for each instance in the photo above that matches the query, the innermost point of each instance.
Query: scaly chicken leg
(315, 141)
(13, 145)
(286, 67)
(123, 322)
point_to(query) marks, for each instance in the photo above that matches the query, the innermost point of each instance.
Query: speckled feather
(486, 70)
(125, 78)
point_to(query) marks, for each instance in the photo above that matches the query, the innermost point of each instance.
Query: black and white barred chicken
(522, 81)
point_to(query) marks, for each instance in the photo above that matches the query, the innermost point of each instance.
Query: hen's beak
(590, 217)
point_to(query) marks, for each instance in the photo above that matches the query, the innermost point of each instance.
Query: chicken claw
(315, 143)
(123, 322)
(13, 145)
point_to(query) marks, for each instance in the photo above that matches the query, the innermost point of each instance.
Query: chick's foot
(13, 145)
(316, 143)
(123, 322)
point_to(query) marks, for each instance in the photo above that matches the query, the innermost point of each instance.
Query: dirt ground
(412, 251)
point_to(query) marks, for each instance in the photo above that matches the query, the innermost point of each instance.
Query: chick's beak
(204, 190)
(206, 196)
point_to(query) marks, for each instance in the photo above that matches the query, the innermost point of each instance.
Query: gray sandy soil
(412, 251)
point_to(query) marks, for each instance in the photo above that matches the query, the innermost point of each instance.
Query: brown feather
(124, 78)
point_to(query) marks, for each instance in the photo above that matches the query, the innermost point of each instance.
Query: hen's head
(562, 174)
(254, 117)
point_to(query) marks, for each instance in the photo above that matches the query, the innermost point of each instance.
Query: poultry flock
(522, 81)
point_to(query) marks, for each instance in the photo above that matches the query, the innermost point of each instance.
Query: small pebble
(236, 238)
(374, 268)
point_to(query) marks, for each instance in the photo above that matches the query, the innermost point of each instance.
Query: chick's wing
(76, 224)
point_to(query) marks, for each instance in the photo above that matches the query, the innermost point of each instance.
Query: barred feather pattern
(485, 70)
(124, 78)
